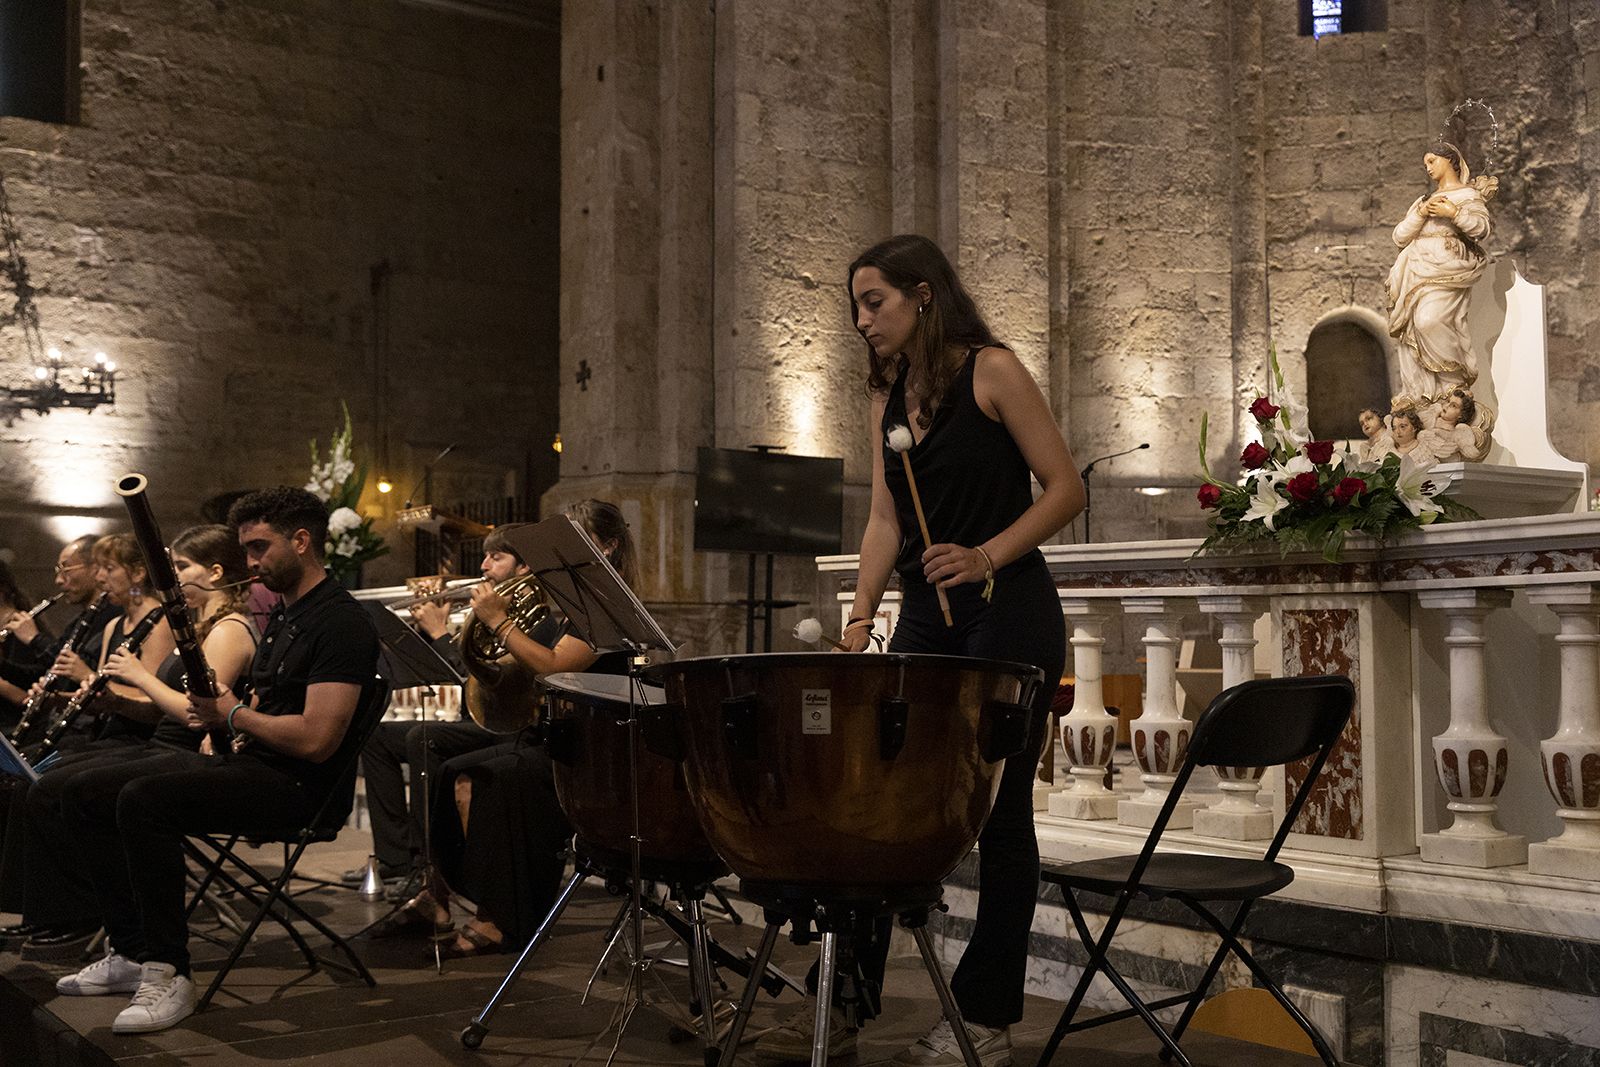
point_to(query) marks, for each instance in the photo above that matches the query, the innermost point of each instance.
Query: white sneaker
(938, 1048)
(109, 974)
(790, 1041)
(165, 998)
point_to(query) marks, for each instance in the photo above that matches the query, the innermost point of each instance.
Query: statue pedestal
(1501, 492)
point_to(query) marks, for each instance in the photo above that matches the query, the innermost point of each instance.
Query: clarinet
(77, 635)
(164, 580)
(34, 612)
(132, 642)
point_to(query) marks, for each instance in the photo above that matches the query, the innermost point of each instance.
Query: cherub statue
(1379, 442)
(1441, 256)
(1460, 430)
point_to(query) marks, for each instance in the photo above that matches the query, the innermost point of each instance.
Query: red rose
(1319, 451)
(1264, 409)
(1254, 456)
(1348, 489)
(1209, 495)
(1303, 487)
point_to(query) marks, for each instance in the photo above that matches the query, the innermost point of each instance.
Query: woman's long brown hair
(949, 319)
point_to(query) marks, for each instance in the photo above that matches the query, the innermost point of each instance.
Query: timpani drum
(587, 732)
(816, 770)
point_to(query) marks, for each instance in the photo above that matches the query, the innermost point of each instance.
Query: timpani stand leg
(947, 1000)
(825, 979)
(747, 1003)
(700, 973)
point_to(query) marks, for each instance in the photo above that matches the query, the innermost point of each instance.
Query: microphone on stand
(1085, 474)
(427, 473)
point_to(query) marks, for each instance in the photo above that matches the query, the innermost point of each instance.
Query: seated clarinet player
(58, 898)
(58, 922)
(315, 664)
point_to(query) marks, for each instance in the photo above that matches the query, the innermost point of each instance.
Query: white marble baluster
(1160, 734)
(1088, 731)
(1238, 816)
(1470, 757)
(1571, 757)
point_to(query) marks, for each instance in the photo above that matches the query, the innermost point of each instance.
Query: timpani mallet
(900, 440)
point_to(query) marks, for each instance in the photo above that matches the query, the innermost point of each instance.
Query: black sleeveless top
(970, 474)
(120, 726)
(170, 674)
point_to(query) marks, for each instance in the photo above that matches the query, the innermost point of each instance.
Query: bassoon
(133, 641)
(164, 580)
(77, 635)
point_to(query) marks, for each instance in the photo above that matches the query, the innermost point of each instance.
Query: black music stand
(603, 612)
(406, 661)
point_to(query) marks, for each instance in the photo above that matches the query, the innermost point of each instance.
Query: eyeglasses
(64, 568)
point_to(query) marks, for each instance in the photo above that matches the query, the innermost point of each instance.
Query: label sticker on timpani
(816, 711)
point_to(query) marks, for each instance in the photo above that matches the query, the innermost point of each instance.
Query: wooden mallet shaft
(922, 521)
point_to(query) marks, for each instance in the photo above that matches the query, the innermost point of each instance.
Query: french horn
(502, 695)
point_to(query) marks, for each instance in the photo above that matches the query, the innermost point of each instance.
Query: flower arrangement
(1311, 495)
(338, 482)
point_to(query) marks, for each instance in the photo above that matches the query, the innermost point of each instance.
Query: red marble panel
(1327, 641)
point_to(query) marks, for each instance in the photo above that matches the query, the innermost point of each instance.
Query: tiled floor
(271, 1010)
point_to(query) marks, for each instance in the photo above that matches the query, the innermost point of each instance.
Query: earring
(921, 308)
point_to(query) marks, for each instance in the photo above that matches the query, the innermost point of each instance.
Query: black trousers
(130, 818)
(1022, 624)
(397, 836)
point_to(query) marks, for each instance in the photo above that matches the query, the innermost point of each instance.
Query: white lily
(1417, 485)
(1281, 473)
(1265, 503)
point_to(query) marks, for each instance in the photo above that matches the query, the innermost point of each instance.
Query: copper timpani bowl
(818, 770)
(587, 717)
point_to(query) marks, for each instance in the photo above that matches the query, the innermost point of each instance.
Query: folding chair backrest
(335, 807)
(1272, 721)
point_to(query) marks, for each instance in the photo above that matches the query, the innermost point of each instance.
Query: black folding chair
(268, 893)
(1256, 724)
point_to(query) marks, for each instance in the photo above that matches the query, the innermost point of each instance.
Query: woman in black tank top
(980, 434)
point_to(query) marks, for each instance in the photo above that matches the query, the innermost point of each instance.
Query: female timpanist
(212, 567)
(980, 430)
(498, 830)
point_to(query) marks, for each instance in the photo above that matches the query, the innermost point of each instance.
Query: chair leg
(747, 1003)
(1233, 944)
(254, 897)
(1211, 971)
(1082, 988)
(947, 999)
(244, 939)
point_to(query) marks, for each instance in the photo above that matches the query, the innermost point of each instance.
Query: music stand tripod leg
(474, 1033)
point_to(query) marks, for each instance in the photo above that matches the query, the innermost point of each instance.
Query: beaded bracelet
(500, 631)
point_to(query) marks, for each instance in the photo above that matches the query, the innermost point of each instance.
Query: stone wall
(270, 206)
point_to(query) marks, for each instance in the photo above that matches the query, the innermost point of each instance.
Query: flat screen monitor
(767, 502)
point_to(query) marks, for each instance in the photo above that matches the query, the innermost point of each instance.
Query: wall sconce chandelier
(53, 385)
(56, 386)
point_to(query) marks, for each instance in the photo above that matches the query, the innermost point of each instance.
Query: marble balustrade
(1469, 776)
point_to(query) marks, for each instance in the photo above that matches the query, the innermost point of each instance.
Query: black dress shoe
(59, 942)
(14, 935)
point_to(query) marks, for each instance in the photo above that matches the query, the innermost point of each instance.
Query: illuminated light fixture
(54, 386)
(384, 484)
(1153, 490)
(555, 445)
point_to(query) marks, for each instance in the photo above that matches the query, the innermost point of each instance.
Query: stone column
(1469, 756)
(1238, 816)
(1161, 733)
(1088, 731)
(1571, 757)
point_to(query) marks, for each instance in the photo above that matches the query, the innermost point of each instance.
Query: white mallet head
(900, 438)
(808, 631)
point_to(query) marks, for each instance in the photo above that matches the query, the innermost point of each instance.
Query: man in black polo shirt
(311, 671)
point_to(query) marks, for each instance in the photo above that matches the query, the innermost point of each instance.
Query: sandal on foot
(478, 943)
(412, 917)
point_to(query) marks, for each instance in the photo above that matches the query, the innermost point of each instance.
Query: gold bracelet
(988, 574)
